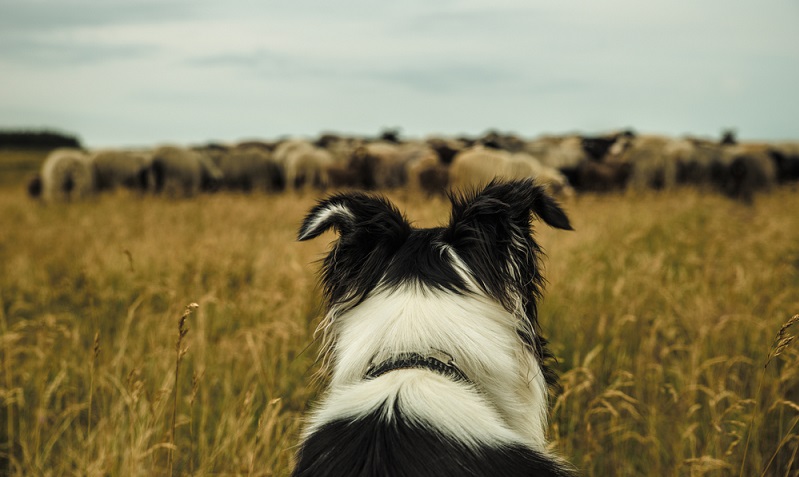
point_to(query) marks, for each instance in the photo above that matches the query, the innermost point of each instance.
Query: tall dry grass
(662, 310)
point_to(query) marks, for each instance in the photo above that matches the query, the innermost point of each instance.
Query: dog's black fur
(372, 447)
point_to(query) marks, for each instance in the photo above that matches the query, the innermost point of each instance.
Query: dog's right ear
(355, 213)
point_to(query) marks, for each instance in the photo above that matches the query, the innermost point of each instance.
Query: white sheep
(66, 174)
(303, 163)
(478, 166)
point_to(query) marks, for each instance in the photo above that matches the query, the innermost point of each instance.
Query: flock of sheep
(566, 163)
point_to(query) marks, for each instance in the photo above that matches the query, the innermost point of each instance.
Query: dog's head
(487, 248)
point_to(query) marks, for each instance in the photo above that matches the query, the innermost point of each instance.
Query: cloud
(257, 60)
(445, 78)
(45, 16)
(50, 53)
(47, 34)
(421, 75)
(480, 21)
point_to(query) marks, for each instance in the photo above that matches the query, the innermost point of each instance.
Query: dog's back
(373, 445)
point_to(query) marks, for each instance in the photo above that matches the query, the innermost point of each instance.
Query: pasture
(667, 311)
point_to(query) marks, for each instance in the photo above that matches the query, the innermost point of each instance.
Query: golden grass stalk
(10, 437)
(196, 378)
(782, 340)
(92, 365)
(180, 351)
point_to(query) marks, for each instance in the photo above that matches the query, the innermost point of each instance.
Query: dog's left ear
(370, 231)
(354, 214)
(502, 204)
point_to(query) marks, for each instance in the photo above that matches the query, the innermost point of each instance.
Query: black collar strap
(429, 361)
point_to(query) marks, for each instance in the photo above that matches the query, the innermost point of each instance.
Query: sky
(147, 72)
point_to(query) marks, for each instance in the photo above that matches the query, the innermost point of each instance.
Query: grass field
(663, 310)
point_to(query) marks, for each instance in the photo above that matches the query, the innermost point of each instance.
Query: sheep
(651, 165)
(249, 169)
(379, 165)
(263, 145)
(523, 166)
(303, 163)
(751, 169)
(558, 152)
(586, 161)
(699, 162)
(446, 148)
(423, 168)
(507, 142)
(183, 172)
(601, 176)
(478, 166)
(119, 168)
(66, 174)
(597, 147)
(434, 179)
(786, 157)
(341, 176)
(287, 147)
(341, 148)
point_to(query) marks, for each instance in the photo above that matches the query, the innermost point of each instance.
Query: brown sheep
(507, 142)
(446, 148)
(698, 161)
(423, 168)
(379, 165)
(601, 176)
(182, 172)
(249, 169)
(651, 166)
(786, 157)
(433, 179)
(122, 168)
(751, 169)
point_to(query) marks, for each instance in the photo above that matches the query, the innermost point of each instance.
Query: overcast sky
(142, 72)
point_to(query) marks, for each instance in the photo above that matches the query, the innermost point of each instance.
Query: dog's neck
(435, 360)
(479, 333)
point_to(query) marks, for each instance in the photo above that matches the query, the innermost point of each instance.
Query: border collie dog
(431, 339)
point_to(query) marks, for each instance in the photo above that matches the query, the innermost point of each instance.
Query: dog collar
(436, 361)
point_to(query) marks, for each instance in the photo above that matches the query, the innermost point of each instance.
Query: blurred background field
(18, 165)
(662, 307)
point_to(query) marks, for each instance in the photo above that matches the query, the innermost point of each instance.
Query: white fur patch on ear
(324, 217)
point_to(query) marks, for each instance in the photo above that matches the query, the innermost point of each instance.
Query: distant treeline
(42, 139)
